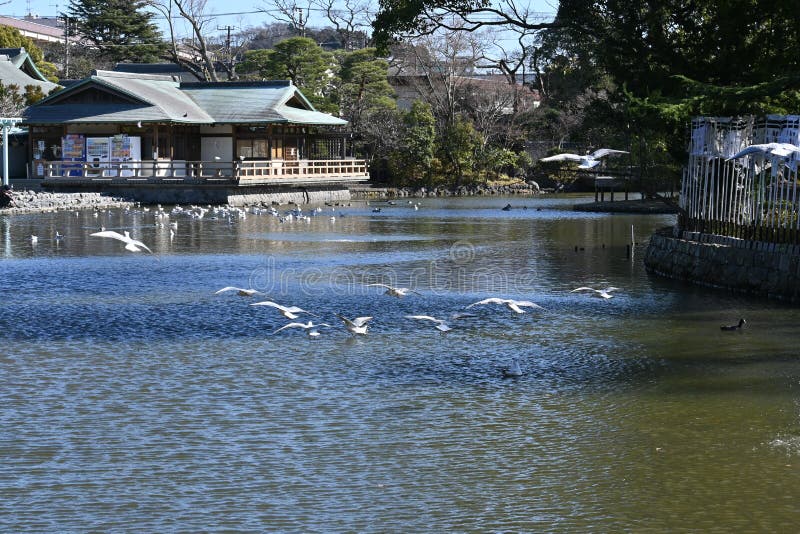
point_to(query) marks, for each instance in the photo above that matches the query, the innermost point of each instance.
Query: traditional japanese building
(128, 128)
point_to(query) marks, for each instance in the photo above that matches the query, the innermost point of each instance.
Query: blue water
(132, 398)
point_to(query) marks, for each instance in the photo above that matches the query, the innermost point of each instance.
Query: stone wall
(764, 269)
(366, 192)
(218, 195)
(37, 201)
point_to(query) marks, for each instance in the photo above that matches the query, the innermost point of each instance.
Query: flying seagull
(398, 292)
(239, 291)
(587, 161)
(130, 244)
(513, 305)
(309, 327)
(357, 325)
(602, 293)
(290, 312)
(779, 150)
(440, 324)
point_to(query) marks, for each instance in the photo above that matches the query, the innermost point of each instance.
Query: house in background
(120, 128)
(40, 30)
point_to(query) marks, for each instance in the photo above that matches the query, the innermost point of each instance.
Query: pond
(134, 398)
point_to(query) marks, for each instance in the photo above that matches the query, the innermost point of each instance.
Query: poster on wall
(72, 154)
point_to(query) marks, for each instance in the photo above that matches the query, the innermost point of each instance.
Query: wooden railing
(241, 172)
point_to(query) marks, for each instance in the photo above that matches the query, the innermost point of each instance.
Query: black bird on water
(733, 326)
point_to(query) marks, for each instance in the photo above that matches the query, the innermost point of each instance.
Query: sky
(239, 14)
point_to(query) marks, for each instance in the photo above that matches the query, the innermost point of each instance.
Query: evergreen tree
(411, 163)
(120, 29)
(364, 87)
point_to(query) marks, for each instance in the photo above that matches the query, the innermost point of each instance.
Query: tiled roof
(253, 102)
(158, 98)
(168, 69)
(20, 58)
(28, 26)
(11, 74)
(94, 113)
(154, 98)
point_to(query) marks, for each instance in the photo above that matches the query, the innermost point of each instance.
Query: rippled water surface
(132, 398)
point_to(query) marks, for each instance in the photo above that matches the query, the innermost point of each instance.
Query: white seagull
(398, 292)
(440, 324)
(587, 161)
(602, 293)
(309, 327)
(779, 150)
(513, 370)
(131, 244)
(513, 305)
(239, 291)
(357, 325)
(290, 312)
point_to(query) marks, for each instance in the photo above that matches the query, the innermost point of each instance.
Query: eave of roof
(163, 99)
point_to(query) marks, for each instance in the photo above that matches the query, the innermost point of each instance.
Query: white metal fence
(751, 197)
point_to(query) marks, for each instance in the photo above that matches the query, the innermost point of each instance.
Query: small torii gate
(7, 123)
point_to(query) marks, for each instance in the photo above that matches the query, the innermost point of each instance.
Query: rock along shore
(26, 201)
(374, 192)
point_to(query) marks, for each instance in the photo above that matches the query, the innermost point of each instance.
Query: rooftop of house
(17, 68)
(110, 96)
(168, 69)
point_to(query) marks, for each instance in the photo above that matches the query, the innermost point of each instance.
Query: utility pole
(228, 47)
(300, 24)
(66, 45)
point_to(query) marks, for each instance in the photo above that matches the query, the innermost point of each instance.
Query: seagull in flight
(398, 292)
(513, 305)
(357, 325)
(131, 244)
(602, 293)
(290, 312)
(779, 150)
(587, 161)
(309, 327)
(440, 324)
(239, 291)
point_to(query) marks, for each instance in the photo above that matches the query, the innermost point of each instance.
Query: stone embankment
(39, 201)
(764, 269)
(520, 188)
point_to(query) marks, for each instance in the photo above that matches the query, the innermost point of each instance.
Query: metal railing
(240, 172)
(753, 197)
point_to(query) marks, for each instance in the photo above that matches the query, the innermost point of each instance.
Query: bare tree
(194, 54)
(350, 18)
(424, 17)
(489, 103)
(438, 66)
(512, 59)
(289, 12)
